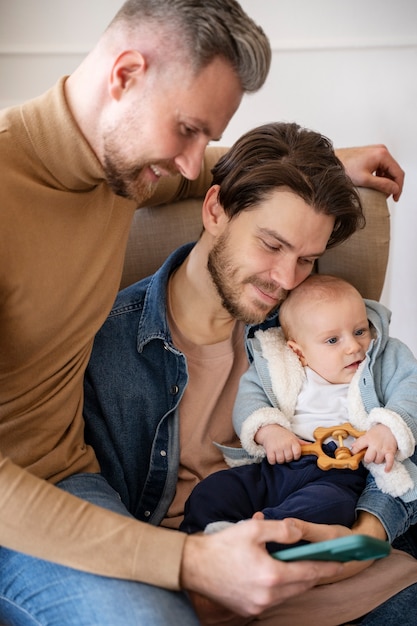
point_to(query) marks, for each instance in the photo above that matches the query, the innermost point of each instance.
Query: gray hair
(208, 29)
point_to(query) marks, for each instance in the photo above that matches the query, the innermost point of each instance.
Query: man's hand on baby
(280, 444)
(381, 446)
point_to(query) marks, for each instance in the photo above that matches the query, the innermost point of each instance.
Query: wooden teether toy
(344, 459)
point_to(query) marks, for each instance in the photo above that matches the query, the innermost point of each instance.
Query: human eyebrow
(203, 128)
(328, 336)
(207, 133)
(266, 232)
(364, 327)
(287, 244)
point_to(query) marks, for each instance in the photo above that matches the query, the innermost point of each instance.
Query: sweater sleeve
(251, 397)
(81, 535)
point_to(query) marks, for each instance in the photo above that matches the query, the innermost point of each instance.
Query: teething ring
(344, 459)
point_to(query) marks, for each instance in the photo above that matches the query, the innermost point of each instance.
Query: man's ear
(295, 347)
(213, 214)
(129, 66)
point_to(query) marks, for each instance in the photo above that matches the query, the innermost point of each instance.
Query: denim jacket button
(174, 390)
(163, 453)
(147, 513)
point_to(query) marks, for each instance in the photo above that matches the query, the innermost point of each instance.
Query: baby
(330, 362)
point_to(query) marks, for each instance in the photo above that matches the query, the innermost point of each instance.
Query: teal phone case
(349, 548)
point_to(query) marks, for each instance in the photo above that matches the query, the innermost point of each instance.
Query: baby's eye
(332, 340)
(361, 331)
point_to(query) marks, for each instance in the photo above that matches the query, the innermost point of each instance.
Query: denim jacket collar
(153, 323)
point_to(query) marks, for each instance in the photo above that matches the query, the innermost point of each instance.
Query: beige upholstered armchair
(362, 260)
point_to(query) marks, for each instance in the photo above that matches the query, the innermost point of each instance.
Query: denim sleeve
(395, 515)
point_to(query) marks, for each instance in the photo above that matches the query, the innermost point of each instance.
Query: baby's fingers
(389, 461)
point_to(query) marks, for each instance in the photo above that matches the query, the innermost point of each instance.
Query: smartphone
(349, 548)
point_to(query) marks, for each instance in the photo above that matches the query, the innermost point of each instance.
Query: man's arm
(232, 567)
(373, 167)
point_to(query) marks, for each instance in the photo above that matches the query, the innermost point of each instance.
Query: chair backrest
(362, 260)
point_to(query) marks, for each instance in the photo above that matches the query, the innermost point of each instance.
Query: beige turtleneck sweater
(62, 242)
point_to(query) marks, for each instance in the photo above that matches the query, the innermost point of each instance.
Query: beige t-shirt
(206, 410)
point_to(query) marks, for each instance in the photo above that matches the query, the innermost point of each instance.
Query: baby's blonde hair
(317, 287)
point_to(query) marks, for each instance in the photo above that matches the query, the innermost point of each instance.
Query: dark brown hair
(286, 155)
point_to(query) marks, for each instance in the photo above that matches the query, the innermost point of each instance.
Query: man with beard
(163, 80)
(165, 367)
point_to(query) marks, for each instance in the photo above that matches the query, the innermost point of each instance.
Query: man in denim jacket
(265, 199)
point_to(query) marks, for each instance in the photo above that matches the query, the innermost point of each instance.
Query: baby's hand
(280, 444)
(381, 446)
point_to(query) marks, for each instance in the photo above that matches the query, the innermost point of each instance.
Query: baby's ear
(295, 347)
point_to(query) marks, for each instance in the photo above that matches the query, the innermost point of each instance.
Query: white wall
(345, 68)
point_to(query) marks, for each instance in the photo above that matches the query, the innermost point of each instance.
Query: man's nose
(285, 274)
(190, 159)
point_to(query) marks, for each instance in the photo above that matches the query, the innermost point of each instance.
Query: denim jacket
(133, 386)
